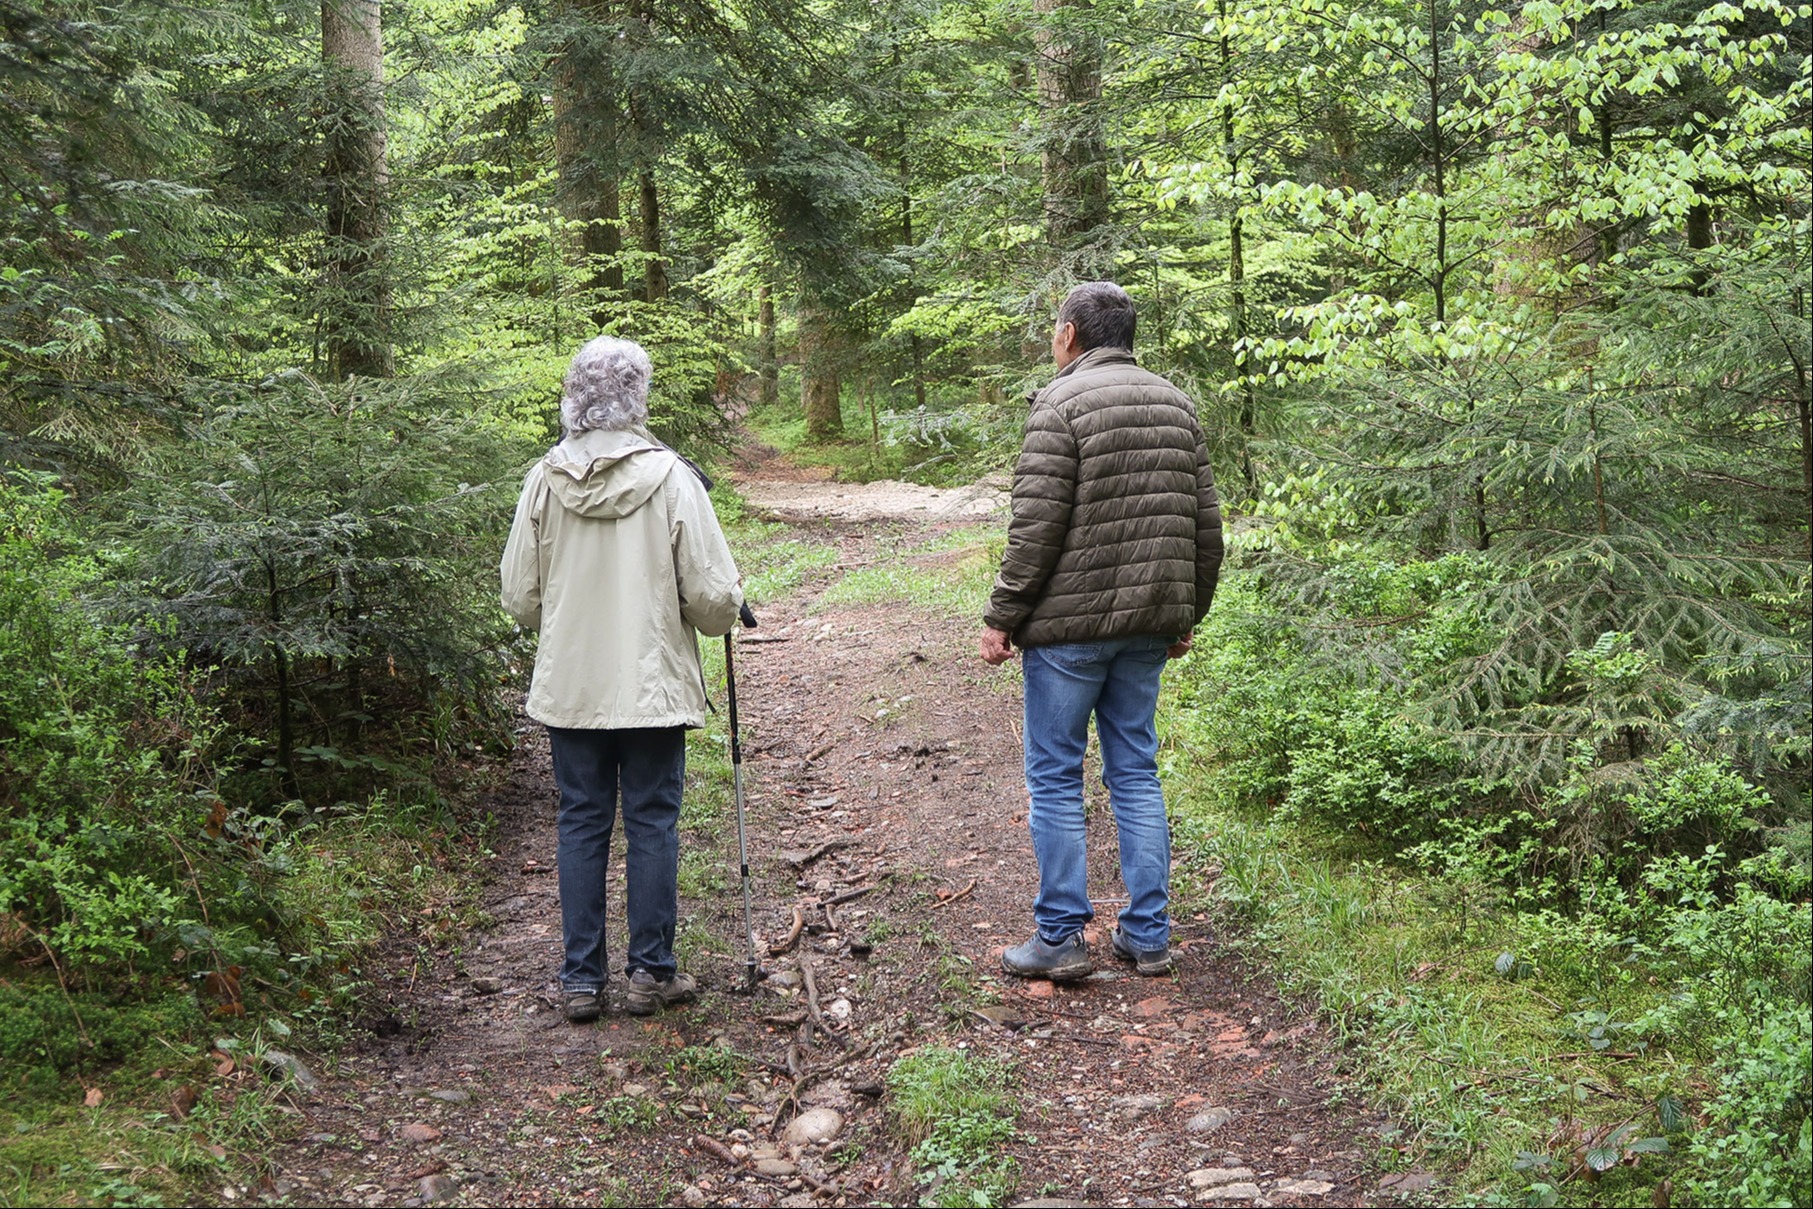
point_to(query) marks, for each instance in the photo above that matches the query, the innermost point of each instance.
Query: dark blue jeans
(594, 769)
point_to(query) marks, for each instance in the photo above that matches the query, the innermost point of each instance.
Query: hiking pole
(752, 973)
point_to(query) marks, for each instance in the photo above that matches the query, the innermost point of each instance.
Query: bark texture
(585, 138)
(1073, 147)
(820, 386)
(356, 309)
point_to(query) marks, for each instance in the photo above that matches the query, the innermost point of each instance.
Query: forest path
(886, 813)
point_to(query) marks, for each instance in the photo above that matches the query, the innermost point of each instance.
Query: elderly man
(1112, 557)
(616, 557)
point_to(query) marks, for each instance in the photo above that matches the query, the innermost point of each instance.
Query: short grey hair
(1103, 315)
(606, 386)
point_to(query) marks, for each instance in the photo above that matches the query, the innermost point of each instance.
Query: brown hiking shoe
(647, 994)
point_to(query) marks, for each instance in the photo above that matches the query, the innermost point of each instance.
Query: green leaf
(1604, 1158)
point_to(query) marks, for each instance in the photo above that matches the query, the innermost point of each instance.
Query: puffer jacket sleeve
(707, 575)
(1209, 547)
(1045, 480)
(521, 570)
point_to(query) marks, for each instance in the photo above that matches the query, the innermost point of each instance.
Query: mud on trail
(891, 865)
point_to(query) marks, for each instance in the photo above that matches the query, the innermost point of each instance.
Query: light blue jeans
(1117, 682)
(595, 769)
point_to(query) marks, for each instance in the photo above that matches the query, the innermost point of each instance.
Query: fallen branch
(765, 1064)
(818, 1186)
(816, 752)
(963, 893)
(786, 943)
(801, 860)
(818, 1016)
(848, 896)
(715, 1149)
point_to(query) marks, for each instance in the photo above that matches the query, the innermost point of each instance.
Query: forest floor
(886, 812)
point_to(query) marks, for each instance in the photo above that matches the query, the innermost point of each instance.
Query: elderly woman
(616, 558)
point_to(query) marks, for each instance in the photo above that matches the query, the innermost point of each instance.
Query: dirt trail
(886, 806)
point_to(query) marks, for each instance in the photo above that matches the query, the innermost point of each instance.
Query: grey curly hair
(606, 386)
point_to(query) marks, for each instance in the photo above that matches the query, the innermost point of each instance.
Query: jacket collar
(1089, 359)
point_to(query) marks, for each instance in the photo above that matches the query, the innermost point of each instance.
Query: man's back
(1116, 529)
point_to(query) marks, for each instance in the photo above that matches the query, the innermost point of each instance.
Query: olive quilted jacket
(1116, 530)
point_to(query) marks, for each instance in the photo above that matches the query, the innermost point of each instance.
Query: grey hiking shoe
(1150, 962)
(1062, 962)
(581, 1005)
(647, 994)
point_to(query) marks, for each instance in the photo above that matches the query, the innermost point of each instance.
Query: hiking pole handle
(745, 616)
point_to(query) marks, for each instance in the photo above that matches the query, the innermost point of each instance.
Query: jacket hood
(607, 474)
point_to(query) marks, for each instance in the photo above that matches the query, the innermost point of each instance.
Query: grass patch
(136, 1110)
(956, 1112)
(953, 573)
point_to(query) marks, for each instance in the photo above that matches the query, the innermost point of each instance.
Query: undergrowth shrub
(128, 879)
(1646, 896)
(1758, 1146)
(103, 755)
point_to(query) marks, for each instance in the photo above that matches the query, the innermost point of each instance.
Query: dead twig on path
(801, 860)
(818, 1016)
(771, 1067)
(848, 896)
(1074, 1039)
(818, 1186)
(794, 1070)
(786, 943)
(963, 893)
(715, 1149)
(816, 752)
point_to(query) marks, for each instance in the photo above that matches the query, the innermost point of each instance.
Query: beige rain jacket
(616, 557)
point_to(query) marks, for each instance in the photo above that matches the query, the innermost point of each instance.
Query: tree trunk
(356, 309)
(1602, 118)
(654, 270)
(1249, 406)
(1699, 239)
(820, 390)
(770, 367)
(585, 140)
(1073, 152)
(906, 240)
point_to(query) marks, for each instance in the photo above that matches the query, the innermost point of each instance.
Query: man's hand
(996, 647)
(1180, 648)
